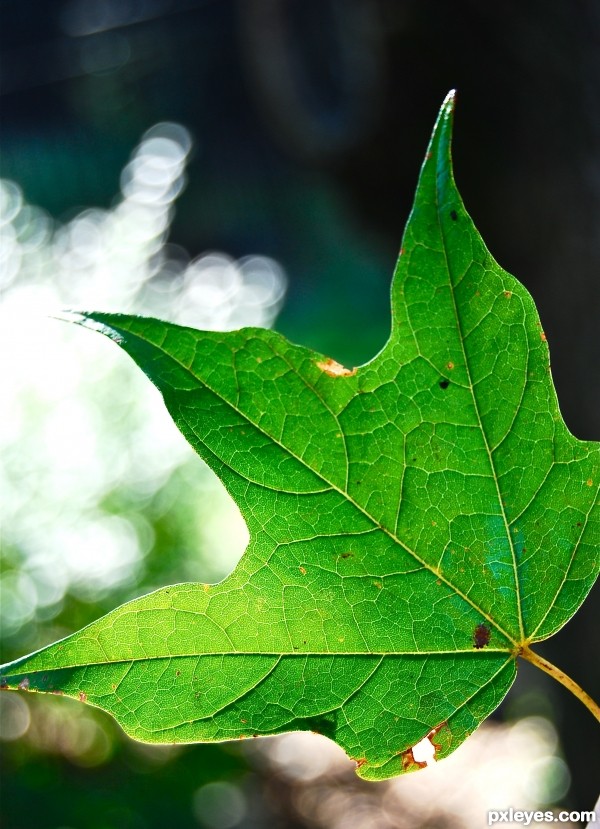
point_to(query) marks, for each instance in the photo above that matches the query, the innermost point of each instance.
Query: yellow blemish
(335, 369)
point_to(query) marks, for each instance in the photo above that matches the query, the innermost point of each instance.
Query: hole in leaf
(424, 752)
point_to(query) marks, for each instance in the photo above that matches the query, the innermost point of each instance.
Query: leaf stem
(561, 676)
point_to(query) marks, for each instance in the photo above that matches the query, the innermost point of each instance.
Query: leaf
(415, 523)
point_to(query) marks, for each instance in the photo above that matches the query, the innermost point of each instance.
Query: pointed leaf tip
(449, 101)
(93, 322)
(442, 131)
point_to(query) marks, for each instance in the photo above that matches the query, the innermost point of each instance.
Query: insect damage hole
(424, 752)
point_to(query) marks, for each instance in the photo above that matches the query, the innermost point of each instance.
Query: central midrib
(277, 655)
(494, 476)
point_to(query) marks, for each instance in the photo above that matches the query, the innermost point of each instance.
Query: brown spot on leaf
(24, 684)
(450, 365)
(335, 369)
(408, 761)
(508, 294)
(346, 555)
(360, 762)
(82, 697)
(436, 746)
(481, 636)
(542, 337)
(302, 570)
(589, 482)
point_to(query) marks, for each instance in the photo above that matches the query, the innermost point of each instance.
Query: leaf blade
(387, 587)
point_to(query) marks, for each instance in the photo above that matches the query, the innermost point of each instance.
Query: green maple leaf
(415, 523)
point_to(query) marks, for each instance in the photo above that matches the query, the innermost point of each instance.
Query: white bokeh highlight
(79, 421)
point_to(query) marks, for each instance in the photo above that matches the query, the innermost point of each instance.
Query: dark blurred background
(310, 119)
